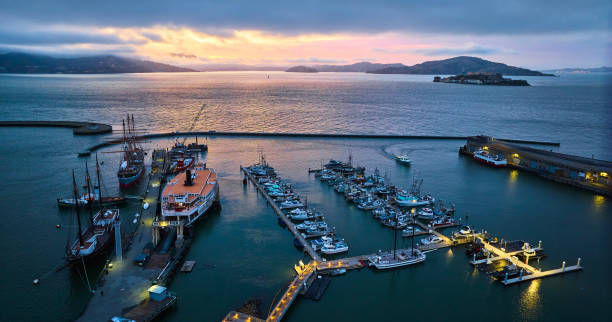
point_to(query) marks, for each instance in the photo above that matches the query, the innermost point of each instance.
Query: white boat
(189, 195)
(528, 251)
(311, 225)
(432, 239)
(403, 159)
(426, 213)
(408, 231)
(401, 258)
(484, 156)
(334, 248)
(289, 204)
(465, 230)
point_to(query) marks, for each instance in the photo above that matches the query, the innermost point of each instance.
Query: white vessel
(486, 157)
(401, 258)
(403, 159)
(432, 239)
(426, 213)
(189, 195)
(334, 248)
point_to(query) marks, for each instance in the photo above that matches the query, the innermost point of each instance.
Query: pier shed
(586, 173)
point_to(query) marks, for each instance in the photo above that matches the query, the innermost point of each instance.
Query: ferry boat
(484, 156)
(132, 165)
(190, 194)
(394, 259)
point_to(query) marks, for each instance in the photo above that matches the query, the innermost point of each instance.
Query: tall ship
(486, 157)
(97, 237)
(132, 165)
(190, 194)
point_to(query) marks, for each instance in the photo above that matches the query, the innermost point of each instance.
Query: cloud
(183, 55)
(458, 51)
(324, 16)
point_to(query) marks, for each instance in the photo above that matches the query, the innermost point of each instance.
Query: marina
(210, 263)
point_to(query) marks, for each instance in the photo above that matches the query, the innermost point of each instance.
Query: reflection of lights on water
(599, 200)
(513, 176)
(530, 299)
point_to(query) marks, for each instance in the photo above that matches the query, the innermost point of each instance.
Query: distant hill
(362, 67)
(459, 66)
(301, 69)
(603, 69)
(20, 63)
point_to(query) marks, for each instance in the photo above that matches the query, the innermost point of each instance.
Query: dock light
(110, 265)
(485, 147)
(515, 155)
(603, 174)
(236, 316)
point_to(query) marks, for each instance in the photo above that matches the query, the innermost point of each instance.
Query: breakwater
(93, 148)
(79, 128)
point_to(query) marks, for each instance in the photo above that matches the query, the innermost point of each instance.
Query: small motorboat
(290, 204)
(403, 159)
(465, 230)
(311, 225)
(410, 230)
(334, 248)
(425, 213)
(432, 239)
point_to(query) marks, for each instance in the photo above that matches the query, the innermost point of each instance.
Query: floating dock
(586, 173)
(311, 252)
(534, 273)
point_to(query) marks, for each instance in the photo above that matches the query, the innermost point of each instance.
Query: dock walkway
(534, 272)
(313, 254)
(126, 285)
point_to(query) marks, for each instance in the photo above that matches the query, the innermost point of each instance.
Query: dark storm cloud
(438, 16)
(38, 37)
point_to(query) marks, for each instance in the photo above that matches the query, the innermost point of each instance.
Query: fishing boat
(316, 232)
(311, 225)
(334, 248)
(290, 204)
(443, 221)
(425, 213)
(190, 194)
(403, 159)
(395, 258)
(405, 199)
(486, 157)
(432, 239)
(97, 238)
(132, 165)
(370, 204)
(411, 230)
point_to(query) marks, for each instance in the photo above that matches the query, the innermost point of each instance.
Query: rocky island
(481, 79)
(302, 69)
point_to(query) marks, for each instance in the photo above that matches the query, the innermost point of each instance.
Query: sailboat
(98, 237)
(395, 258)
(132, 165)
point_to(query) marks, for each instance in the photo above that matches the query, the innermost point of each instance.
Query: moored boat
(190, 194)
(486, 157)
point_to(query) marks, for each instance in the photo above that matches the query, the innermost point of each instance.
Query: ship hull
(196, 213)
(489, 162)
(105, 243)
(126, 182)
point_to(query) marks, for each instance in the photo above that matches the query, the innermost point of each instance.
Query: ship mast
(89, 198)
(395, 236)
(99, 183)
(76, 200)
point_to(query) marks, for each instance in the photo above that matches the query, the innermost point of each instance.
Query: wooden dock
(311, 252)
(297, 285)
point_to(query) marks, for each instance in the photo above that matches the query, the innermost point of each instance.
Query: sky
(538, 34)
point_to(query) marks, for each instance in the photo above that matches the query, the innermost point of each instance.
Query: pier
(126, 283)
(534, 272)
(586, 173)
(79, 128)
(311, 252)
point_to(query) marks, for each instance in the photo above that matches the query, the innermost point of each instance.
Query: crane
(195, 120)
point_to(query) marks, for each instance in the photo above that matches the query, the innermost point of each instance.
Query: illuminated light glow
(515, 155)
(485, 147)
(603, 174)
